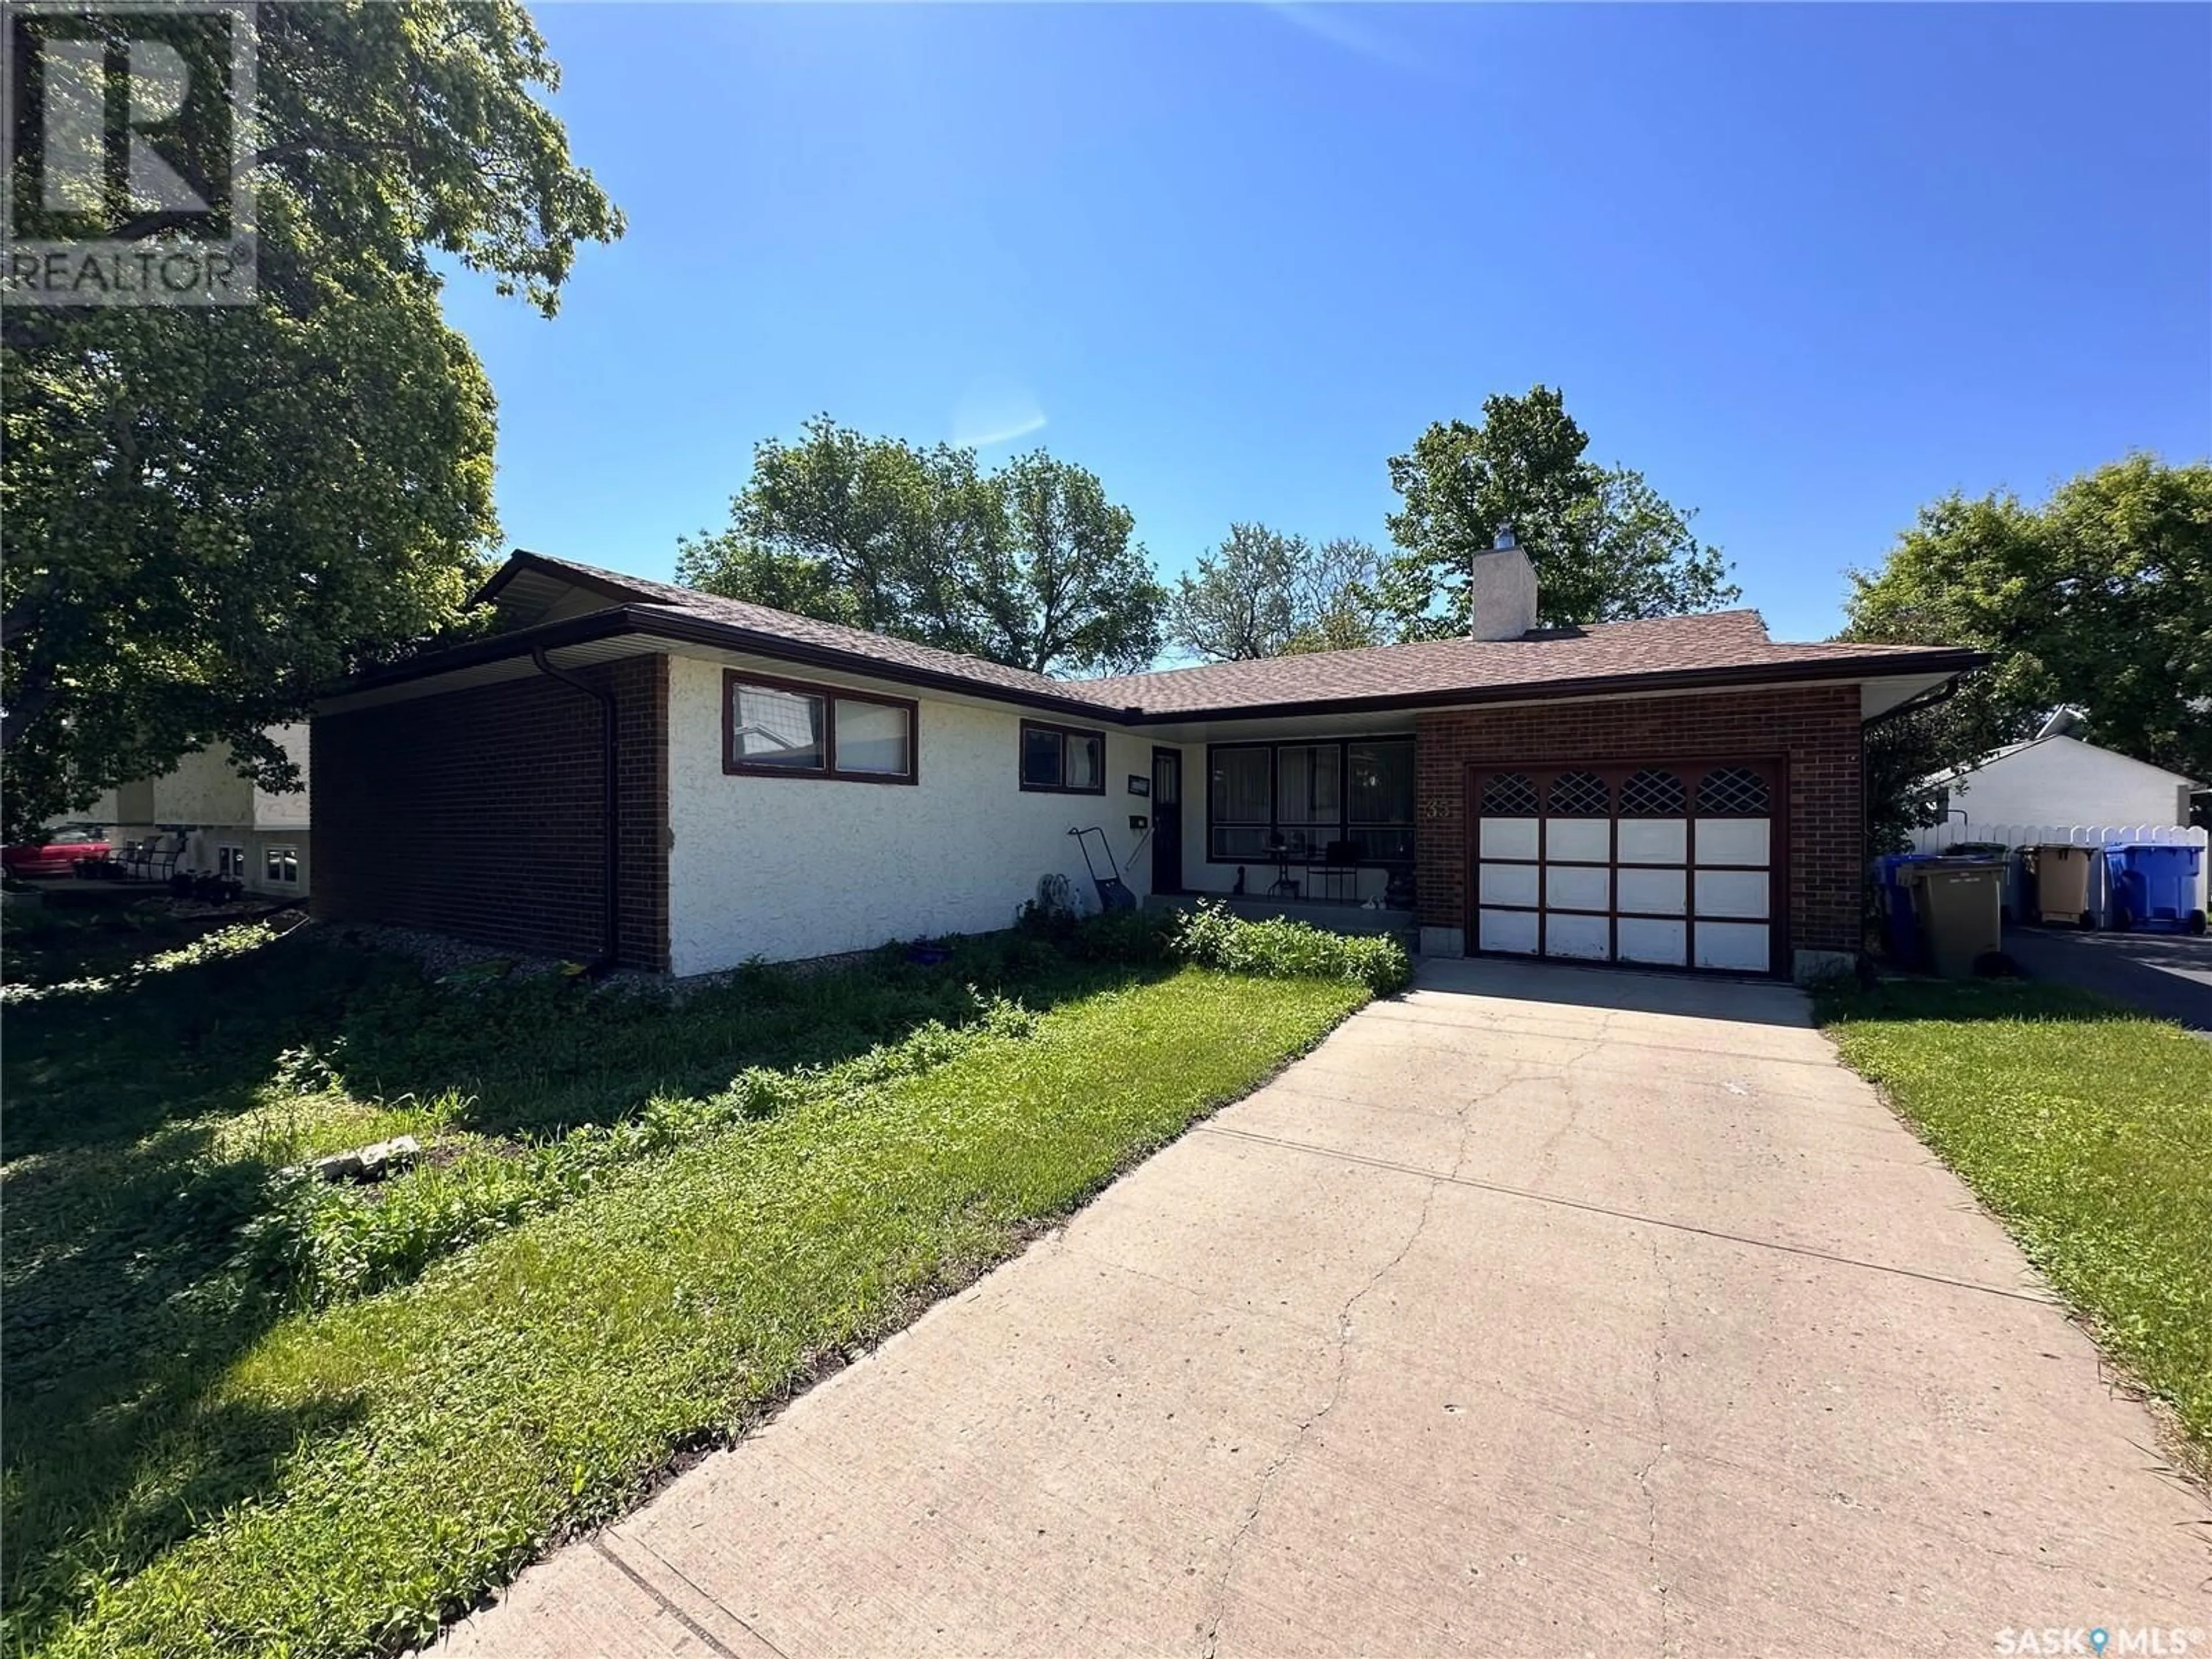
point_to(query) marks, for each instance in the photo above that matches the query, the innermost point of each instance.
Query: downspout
(610, 807)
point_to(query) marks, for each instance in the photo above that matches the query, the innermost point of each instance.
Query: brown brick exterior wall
(1815, 729)
(479, 813)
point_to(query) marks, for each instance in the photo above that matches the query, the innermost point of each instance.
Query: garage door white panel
(1586, 938)
(1734, 840)
(1655, 841)
(1583, 841)
(1662, 943)
(1506, 930)
(1572, 887)
(1732, 893)
(1657, 864)
(1507, 883)
(1509, 838)
(1741, 945)
(1661, 892)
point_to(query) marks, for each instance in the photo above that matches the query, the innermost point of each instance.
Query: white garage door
(1674, 866)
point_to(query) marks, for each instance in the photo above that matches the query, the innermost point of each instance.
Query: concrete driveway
(1539, 1311)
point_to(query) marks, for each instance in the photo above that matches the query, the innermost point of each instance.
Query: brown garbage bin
(1960, 904)
(2062, 882)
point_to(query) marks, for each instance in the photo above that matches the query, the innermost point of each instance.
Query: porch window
(1379, 800)
(1241, 803)
(1306, 798)
(787, 728)
(1063, 760)
(1310, 797)
(281, 865)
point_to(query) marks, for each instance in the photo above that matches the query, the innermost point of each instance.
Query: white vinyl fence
(1936, 837)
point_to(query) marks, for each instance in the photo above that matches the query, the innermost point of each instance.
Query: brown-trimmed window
(1062, 760)
(1351, 796)
(778, 728)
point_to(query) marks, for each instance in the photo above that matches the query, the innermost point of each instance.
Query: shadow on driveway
(1620, 989)
(2166, 975)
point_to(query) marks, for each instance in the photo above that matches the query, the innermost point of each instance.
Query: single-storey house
(2059, 780)
(219, 822)
(629, 770)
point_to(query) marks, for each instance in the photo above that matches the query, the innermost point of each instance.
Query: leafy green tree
(1235, 604)
(1263, 593)
(213, 513)
(1332, 597)
(1064, 587)
(1605, 545)
(1030, 565)
(2100, 598)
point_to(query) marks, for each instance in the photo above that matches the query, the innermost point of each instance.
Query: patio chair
(1339, 866)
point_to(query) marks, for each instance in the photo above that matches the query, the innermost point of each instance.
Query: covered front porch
(1311, 818)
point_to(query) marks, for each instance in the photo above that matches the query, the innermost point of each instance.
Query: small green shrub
(1211, 936)
(1132, 936)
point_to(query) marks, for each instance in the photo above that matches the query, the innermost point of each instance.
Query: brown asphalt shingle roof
(1719, 640)
(1726, 645)
(806, 630)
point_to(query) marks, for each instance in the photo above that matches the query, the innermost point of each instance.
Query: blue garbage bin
(1901, 928)
(2153, 886)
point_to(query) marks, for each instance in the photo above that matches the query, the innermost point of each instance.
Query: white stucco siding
(2062, 780)
(287, 809)
(205, 787)
(788, 868)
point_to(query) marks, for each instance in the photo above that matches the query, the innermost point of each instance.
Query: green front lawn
(2088, 1131)
(204, 1457)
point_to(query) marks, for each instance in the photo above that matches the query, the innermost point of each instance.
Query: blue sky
(1806, 267)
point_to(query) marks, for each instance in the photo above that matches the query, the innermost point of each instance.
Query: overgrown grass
(1214, 937)
(200, 1461)
(2088, 1131)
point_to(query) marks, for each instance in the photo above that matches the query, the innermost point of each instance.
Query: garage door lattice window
(1652, 794)
(1580, 795)
(1733, 792)
(1509, 795)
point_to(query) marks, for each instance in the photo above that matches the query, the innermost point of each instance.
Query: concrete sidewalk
(1539, 1311)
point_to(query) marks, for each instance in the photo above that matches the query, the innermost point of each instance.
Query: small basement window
(793, 729)
(281, 865)
(1063, 760)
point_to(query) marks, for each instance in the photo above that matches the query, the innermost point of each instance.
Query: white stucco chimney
(1503, 590)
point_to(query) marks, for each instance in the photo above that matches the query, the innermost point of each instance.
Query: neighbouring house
(632, 771)
(2059, 780)
(228, 825)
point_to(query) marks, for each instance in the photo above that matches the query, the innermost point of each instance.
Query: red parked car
(58, 853)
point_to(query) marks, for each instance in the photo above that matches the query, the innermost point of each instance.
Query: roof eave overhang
(652, 621)
(656, 623)
(1657, 681)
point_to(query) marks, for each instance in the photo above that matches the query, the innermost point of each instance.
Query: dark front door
(1167, 821)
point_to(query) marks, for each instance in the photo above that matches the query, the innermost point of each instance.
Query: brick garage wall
(479, 813)
(1815, 728)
